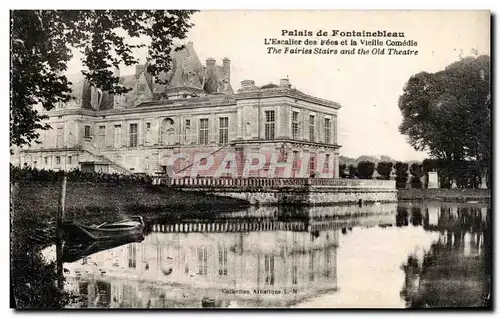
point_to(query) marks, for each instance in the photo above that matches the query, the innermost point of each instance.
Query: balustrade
(208, 182)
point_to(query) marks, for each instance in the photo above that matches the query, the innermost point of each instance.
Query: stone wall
(311, 196)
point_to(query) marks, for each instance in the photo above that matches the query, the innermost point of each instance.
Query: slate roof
(187, 72)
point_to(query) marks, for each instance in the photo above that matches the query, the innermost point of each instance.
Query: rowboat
(130, 227)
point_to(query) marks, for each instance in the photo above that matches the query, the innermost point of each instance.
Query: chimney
(247, 84)
(118, 101)
(285, 82)
(226, 66)
(210, 62)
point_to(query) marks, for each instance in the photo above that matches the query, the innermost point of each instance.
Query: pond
(377, 256)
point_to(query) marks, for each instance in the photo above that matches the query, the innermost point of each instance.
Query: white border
(201, 5)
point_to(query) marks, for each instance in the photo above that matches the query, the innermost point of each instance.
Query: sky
(367, 87)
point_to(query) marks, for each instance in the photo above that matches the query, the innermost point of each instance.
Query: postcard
(166, 159)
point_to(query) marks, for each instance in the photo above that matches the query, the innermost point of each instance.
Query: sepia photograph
(232, 159)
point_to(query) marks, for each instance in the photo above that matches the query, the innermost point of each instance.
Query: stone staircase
(114, 166)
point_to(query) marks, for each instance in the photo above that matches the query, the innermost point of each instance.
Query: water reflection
(278, 257)
(456, 271)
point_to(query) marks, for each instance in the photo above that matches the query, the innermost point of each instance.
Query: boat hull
(74, 251)
(76, 231)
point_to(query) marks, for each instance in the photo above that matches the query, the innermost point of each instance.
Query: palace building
(197, 119)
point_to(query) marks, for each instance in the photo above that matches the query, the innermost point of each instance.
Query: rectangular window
(102, 136)
(312, 164)
(60, 134)
(327, 161)
(148, 125)
(295, 125)
(295, 160)
(311, 266)
(223, 130)
(58, 160)
(202, 261)
(133, 135)
(269, 269)
(69, 160)
(87, 131)
(328, 130)
(295, 268)
(328, 261)
(132, 256)
(203, 138)
(46, 159)
(117, 136)
(222, 261)
(187, 130)
(312, 137)
(269, 125)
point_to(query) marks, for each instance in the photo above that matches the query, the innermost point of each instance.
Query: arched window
(167, 132)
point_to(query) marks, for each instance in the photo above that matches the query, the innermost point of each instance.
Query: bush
(353, 172)
(416, 175)
(342, 168)
(384, 169)
(366, 169)
(401, 174)
(30, 174)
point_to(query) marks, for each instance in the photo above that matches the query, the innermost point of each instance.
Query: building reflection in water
(262, 257)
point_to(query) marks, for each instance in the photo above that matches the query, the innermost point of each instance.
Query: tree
(384, 169)
(353, 172)
(416, 175)
(366, 169)
(342, 168)
(42, 42)
(448, 113)
(401, 174)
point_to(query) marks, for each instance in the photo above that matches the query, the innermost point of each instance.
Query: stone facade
(195, 114)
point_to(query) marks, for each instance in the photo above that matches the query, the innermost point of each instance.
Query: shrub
(30, 174)
(366, 169)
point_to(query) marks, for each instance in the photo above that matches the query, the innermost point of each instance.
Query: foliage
(365, 169)
(34, 280)
(353, 172)
(41, 46)
(342, 168)
(28, 173)
(384, 169)
(448, 113)
(416, 175)
(401, 174)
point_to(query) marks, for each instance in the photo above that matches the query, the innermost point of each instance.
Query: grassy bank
(448, 195)
(93, 202)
